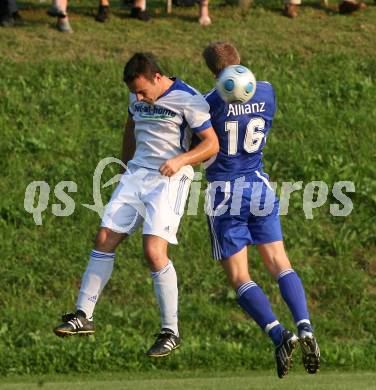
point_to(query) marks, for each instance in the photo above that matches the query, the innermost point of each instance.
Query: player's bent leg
(292, 292)
(165, 203)
(255, 303)
(274, 256)
(108, 240)
(155, 250)
(99, 269)
(250, 296)
(166, 290)
(290, 285)
(236, 268)
(96, 276)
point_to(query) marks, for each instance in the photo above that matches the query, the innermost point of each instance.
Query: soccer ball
(236, 84)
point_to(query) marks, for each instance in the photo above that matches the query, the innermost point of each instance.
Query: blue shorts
(242, 212)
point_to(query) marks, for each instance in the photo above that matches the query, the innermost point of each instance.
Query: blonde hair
(218, 55)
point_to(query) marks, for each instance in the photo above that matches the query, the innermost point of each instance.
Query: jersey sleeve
(269, 97)
(196, 113)
(132, 100)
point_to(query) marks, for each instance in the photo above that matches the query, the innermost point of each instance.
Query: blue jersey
(242, 130)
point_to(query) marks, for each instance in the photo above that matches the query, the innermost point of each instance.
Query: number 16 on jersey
(253, 136)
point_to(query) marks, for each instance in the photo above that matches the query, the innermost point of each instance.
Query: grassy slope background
(63, 106)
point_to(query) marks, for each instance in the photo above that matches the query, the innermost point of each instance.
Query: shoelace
(163, 335)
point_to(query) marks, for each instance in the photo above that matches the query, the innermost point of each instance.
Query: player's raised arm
(208, 147)
(129, 142)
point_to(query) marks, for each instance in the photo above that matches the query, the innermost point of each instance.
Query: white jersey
(164, 129)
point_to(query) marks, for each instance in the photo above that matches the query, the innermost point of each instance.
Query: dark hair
(219, 55)
(141, 64)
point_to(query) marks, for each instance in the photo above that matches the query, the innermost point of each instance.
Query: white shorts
(144, 195)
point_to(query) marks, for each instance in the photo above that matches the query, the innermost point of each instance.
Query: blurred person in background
(345, 7)
(58, 9)
(138, 10)
(9, 15)
(204, 19)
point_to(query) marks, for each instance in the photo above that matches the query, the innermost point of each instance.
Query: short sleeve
(196, 113)
(269, 96)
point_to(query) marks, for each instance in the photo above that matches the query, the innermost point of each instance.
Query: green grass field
(257, 381)
(62, 109)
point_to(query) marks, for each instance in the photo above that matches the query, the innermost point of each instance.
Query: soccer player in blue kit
(243, 210)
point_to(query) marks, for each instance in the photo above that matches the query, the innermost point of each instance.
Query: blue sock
(292, 292)
(256, 304)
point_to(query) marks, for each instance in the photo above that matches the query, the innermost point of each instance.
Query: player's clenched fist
(170, 167)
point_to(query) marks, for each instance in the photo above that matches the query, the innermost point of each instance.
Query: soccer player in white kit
(163, 114)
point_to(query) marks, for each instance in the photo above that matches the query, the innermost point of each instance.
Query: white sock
(96, 276)
(166, 291)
